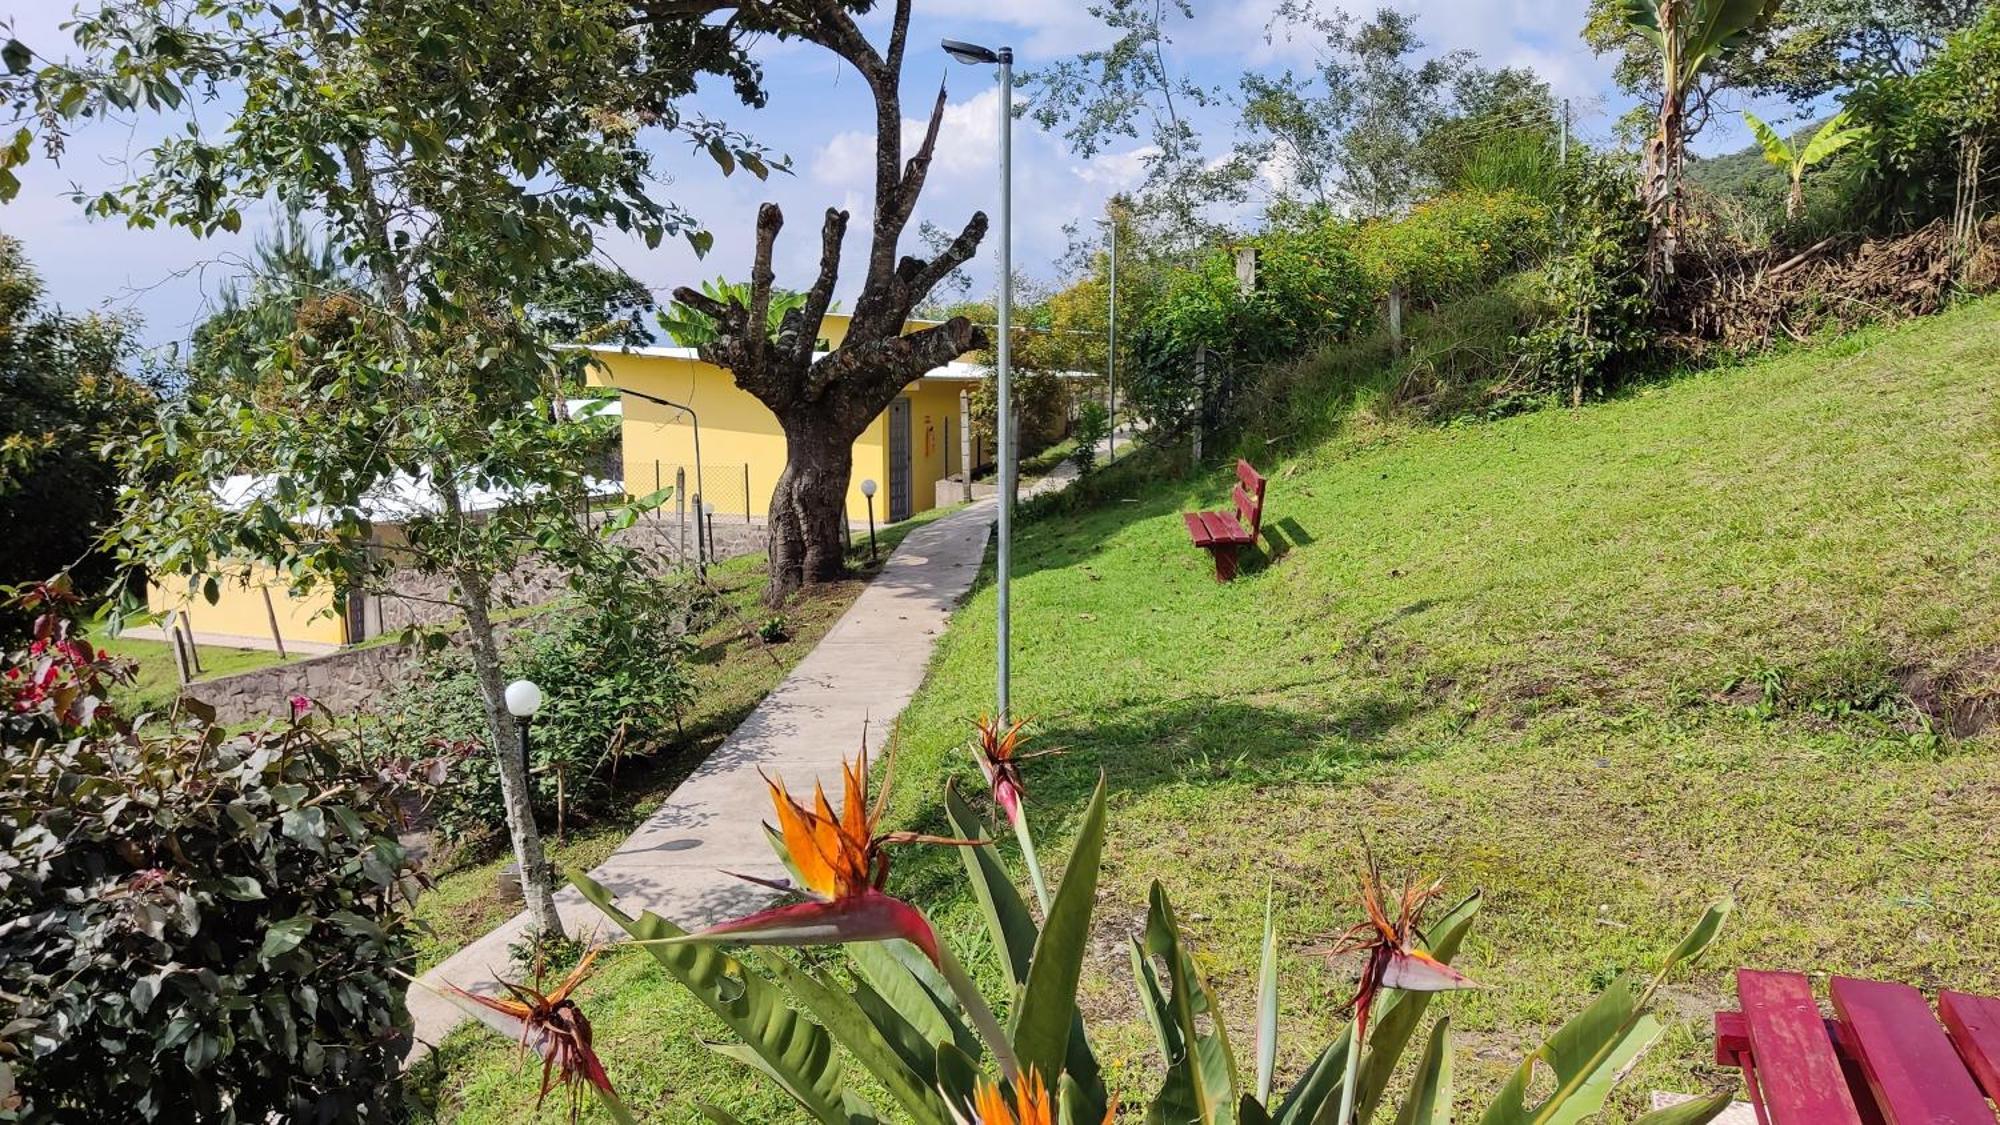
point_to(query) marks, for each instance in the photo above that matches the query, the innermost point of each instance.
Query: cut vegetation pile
(1731, 634)
(1749, 299)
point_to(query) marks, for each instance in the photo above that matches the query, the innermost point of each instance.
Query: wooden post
(194, 653)
(681, 510)
(1396, 319)
(1246, 270)
(271, 613)
(1201, 395)
(180, 654)
(965, 446)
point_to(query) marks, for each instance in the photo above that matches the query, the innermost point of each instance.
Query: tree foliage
(456, 158)
(64, 392)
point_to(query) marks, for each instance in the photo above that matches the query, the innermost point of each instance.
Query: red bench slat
(1910, 1063)
(1248, 475)
(1196, 529)
(1223, 528)
(1974, 1022)
(1798, 1074)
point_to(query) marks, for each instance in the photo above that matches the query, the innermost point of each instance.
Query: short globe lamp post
(523, 699)
(868, 493)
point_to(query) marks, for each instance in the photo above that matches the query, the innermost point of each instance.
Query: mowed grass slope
(1606, 665)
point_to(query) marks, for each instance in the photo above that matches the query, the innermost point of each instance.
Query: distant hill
(1744, 176)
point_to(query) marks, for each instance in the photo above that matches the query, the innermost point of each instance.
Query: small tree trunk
(811, 494)
(536, 891)
(1795, 203)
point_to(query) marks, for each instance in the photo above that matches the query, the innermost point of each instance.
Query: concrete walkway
(860, 676)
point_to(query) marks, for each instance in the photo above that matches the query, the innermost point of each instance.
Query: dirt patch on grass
(1962, 701)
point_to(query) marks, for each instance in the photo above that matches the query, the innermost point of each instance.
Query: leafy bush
(1194, 344)
(614, 682)
(1449, 244)
(1596, 287)
(1093, 425)
(205, 926)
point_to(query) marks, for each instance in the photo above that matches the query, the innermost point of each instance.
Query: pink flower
(300, 705)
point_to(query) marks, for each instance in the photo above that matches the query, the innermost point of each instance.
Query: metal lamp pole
(975, 55)
(1111, 351)
(868, 493)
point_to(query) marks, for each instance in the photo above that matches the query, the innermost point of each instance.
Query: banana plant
(1831, 137)
(1688, 35)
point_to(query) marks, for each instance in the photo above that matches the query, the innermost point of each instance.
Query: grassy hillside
(1606, 664)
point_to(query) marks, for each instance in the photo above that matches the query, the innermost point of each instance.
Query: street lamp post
(868, 493)
(1111, 350)
(974, 55)
(524, 698)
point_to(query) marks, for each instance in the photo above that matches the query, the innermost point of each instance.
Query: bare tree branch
(770, 220)
(918, 169)
(801, 327)
(921, 277)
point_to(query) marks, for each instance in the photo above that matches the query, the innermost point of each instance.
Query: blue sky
(820, 116)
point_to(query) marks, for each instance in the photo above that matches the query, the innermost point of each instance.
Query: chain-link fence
(711, 514)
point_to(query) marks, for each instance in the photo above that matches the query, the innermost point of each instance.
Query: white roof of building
(394, 499)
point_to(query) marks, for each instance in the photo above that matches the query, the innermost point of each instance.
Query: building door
(899, 460)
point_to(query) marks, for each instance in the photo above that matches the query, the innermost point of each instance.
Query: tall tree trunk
(807, 504)
(536, 890)
(1665, 153)
(475, 596)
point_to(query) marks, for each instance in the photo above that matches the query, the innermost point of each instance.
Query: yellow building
(246, 611)
(907, 450)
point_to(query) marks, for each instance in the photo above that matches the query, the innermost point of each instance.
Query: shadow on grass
(1252, 740)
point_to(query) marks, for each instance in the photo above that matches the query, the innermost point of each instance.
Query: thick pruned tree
(823, 402)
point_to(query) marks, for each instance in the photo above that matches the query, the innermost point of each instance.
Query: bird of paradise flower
(1032, 1104)
(1390, 958)
(842, 860)
(553, 1025)
(998, 751)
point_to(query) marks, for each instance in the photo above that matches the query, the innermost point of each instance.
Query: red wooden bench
(1223, 534)
(1884, 1059)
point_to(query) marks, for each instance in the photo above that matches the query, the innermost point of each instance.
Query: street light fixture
(868, 493)
(973, 54)
(524, 698)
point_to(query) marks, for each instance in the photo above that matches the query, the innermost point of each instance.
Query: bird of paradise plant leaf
(553, 1025)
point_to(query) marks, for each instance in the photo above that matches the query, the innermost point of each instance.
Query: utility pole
(1562, 144)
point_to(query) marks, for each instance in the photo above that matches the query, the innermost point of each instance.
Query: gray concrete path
(860, 676)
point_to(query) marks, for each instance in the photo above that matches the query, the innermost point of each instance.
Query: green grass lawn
(1607, 665)
(156, 682)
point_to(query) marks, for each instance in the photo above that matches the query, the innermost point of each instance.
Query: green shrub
(1196, 343)
(614, 682)
(1093, 425)
(1449, 244)
(1597, 295)
(204, 926)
